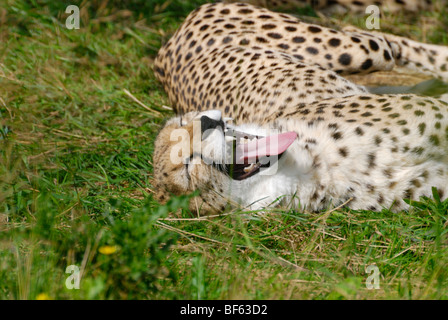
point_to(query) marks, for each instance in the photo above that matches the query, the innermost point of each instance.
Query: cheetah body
(367, 156)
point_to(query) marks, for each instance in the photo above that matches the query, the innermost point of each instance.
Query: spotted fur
(356, 6)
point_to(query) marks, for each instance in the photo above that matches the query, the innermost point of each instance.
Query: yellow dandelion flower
(43, 296)
(107, 249)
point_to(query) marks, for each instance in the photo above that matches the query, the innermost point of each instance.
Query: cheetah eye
(182, 121)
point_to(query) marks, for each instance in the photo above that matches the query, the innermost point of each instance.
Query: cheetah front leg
(330, 6)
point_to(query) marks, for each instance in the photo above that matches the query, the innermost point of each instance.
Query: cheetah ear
(269, 146)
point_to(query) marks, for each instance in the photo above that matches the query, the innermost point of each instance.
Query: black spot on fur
(298, 39)
(345, 59)
(334, 42)
(367, 64)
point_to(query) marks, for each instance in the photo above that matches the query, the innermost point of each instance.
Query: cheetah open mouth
(251, 153)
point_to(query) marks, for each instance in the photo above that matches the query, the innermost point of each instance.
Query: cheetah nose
(208, 124)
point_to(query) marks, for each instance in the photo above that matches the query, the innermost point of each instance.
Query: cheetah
(278, 123)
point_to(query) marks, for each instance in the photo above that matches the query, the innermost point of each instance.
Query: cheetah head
(202, 151)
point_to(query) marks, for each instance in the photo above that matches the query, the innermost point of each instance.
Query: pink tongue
(268, 146)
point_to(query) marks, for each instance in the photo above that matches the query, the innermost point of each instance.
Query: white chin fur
(279, 180)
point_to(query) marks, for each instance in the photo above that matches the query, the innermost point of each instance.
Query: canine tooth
(250, 168)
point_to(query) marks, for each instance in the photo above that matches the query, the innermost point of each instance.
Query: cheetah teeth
(245, 140)
(251, 167)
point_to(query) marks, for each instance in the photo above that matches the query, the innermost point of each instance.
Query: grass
(75, 186)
